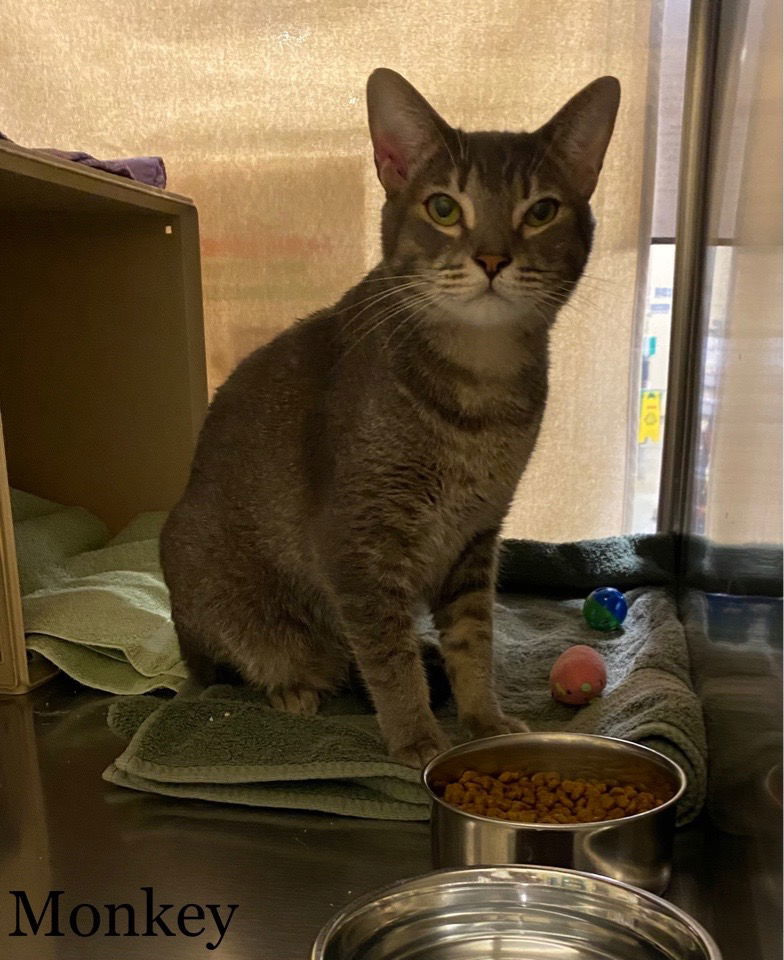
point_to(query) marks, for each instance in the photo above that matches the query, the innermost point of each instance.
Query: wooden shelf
(102, 371)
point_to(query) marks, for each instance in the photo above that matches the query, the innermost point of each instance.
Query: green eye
(443, 209)
(542, 212)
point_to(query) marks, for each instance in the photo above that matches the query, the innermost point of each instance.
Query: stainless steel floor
(63, 828)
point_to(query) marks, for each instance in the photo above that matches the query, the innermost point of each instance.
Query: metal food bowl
(512, 913)
(636, 850)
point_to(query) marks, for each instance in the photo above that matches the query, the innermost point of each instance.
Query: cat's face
(487, 227)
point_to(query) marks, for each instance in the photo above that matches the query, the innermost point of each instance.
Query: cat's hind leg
(233, 629)
(286, 643)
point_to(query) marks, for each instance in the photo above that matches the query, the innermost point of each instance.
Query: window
(647, 440)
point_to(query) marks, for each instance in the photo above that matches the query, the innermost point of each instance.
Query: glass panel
(653, 387)
(649, 400)
(737, 497)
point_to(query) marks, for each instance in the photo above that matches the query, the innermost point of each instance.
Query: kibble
(546, 797)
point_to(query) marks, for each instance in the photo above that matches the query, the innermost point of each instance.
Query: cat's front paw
(421, 752)
(493, 725)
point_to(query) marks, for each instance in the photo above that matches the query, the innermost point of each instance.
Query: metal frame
(685, 356)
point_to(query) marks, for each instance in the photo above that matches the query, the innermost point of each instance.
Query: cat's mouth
(489, 293)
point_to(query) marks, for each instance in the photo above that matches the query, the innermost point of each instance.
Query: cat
(358, 467)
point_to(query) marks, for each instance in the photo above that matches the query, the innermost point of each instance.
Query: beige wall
(258, 110)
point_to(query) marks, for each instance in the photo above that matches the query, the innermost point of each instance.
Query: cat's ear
(405, 130)
(581, 131)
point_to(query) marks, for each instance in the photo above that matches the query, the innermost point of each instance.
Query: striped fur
(360, 465)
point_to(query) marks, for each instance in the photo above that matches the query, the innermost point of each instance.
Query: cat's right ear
(406, 131)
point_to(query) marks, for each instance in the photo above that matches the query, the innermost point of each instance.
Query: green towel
(47, 534)
(99, 609)
(228, 745)
(101, 615)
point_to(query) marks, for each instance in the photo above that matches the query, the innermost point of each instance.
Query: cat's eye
(541, 212)
(443, 210)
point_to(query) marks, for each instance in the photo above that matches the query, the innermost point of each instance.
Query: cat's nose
(491, 264)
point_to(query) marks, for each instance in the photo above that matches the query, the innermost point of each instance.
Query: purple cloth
(149, 170)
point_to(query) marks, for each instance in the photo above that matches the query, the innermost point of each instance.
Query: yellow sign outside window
(650, 416)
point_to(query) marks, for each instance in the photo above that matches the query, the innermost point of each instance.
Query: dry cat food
(546, 797)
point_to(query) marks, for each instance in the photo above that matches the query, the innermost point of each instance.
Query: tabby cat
(357, 469)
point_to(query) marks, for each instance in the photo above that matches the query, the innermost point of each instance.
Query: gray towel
(229, 745)
(574, 569)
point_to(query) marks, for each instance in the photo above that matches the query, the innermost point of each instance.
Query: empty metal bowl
(635, 850)
(512, 913)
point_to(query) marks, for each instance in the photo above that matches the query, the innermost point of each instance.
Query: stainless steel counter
(63, 828)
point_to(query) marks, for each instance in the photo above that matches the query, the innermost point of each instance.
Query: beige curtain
(738, 490)
(258, 110)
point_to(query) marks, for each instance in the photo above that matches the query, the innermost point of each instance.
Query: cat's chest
(474, 485)
(473, 474)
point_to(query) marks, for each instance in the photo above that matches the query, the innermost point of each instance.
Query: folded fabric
(101, 615)
(574, 569)
(229, 745)
(99, 609)
(149, 170)
(46, 534)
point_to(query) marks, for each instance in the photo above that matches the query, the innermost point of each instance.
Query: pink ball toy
(578, 676)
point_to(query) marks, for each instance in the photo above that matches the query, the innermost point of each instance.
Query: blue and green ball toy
(605, 608)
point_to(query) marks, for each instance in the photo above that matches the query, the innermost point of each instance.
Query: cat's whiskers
(565, 292)
(390, 276)
(455, 286)
(413, 277)
(375, 298)
(572, 302)
(541, 313)
(385, 318)
(528, 284)
(593, 278)
(601, 286)
(396, 309)
(410, 328)
(577, 297)
(425, 300)
(557, 304)
(377, 293)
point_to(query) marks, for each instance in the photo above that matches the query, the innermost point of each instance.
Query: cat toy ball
(605, 608)
(578, 676)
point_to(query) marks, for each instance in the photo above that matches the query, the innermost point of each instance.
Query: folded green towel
(103, 615)
(229, 745)
(46, 534)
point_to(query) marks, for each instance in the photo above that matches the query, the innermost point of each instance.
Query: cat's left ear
(581, 131)
(406, 131)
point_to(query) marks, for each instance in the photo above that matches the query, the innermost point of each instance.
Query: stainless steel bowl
(512, 913)
(635, 850)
